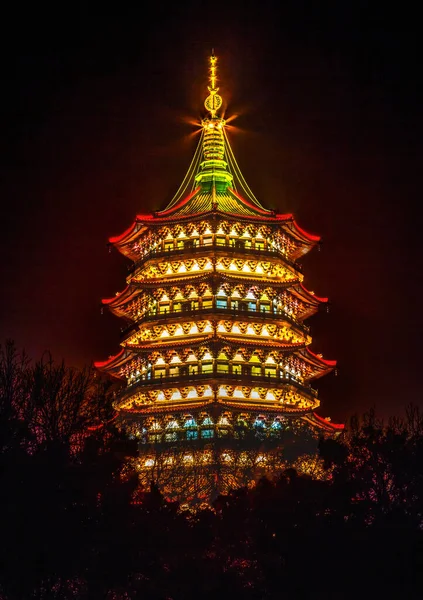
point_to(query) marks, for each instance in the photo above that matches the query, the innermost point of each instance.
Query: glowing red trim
(328, 423)
(250, 204)
(109, 361)
(313, 295)
(309, 236)
(111, 300)
(284, 217)
(329, 363)
(179, 205)
(119, 238)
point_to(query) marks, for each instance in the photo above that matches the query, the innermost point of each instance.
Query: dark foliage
(70, 528)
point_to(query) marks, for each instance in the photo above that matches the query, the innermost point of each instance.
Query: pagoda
(216, 359)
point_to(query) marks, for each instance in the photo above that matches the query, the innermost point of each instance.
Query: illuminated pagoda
(216, 356)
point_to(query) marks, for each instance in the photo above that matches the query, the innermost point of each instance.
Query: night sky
(98, 124)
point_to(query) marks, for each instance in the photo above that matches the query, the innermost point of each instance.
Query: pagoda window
(168, 245)
(191, 427)
(173, 371)
(259, 244)
(270, 371)
(207, 424)
(180, 244)
(159, 372)
(207, 303)
(222, 367)
(239, 244)
(171, 434)
(177, 306)
(207, 367)
(264, 307)
(163, 308)
(252, 306)
(236, 369)
(220, 240)
(256, 371)
(193, 370)
(221, 303)
(207, 240)
(207, 433)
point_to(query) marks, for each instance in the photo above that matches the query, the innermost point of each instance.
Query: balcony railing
(150, 379)
(236, 313)
(225, 248)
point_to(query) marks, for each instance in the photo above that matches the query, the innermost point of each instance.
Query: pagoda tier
(222, 292)
(154, 234)
(215, 343)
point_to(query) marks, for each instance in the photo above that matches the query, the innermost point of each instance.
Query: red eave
(113, 298)
(329, 424)
(254, 207)
(119, 238)
(105, 363)
(308, 236)
(317, 298)
(328, 363)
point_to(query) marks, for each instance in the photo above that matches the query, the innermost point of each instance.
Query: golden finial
(213, 102)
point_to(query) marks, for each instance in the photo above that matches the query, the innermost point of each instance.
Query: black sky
(96, 111)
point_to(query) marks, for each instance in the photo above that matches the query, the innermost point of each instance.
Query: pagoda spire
(213, 173)
(214, 180)
(213, 102)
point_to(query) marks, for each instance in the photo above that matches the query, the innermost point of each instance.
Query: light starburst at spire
(213, 102)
